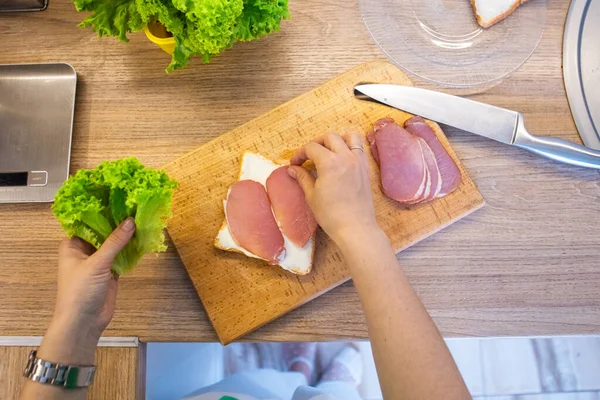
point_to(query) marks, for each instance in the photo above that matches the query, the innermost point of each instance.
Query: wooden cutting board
(241, 294)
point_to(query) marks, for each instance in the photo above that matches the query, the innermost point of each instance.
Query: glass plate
(441, 42)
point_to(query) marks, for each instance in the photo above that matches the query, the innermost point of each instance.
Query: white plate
(441, 42)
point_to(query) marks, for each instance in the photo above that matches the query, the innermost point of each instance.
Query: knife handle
(557, 149)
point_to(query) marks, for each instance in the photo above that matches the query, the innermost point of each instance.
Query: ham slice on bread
(490, 12)
(268, 210)
(251, 221)
(295, 218)
(415, 167)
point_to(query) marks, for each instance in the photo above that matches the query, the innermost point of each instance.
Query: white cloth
(269, 384)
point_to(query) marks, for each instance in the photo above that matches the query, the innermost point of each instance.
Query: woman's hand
(411, 357)
(340, 197)
(87, 293)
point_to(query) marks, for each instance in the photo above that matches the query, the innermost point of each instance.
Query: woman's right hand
(340, 197)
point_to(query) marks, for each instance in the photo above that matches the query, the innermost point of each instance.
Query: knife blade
(502, 125)
(482, 119)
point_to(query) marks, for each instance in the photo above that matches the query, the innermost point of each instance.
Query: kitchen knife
(482, 119)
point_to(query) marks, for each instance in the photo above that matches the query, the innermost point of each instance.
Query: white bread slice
(490, 12)
(298, 260)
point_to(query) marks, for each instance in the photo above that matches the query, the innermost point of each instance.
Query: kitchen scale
(36, 121)
(23, 5)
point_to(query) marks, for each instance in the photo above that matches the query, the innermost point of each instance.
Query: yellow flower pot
(158, 35)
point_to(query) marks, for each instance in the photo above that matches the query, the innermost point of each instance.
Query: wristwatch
(68, 376)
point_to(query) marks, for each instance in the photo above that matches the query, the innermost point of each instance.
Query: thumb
(304, 178)
(115, 243)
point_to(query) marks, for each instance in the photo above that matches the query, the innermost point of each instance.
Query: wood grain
(241, 294)
(116, 377)
(525, 264)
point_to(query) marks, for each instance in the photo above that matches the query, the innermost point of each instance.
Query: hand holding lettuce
(200, 27)
(93, 203)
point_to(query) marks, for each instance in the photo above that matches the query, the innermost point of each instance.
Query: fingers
(115, 243)
(355, 144)
(304, 178)
(75, 247)
(333, 142)
(110, 302)
(310, 151)
(318, 149)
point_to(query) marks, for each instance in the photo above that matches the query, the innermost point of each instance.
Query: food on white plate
(490, 12)
(449, 171)
(414, 166)
(264, 210)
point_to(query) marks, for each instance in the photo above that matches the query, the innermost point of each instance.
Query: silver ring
(357, 147)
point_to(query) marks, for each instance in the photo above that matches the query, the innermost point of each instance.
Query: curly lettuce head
(201, 28)
(93, 203)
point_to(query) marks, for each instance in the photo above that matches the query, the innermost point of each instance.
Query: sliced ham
(401, 162)
(449, 172)
(427, 190)
(374, 152)
(430, 165)
(293, 214)
(251, 221)
(434, 172)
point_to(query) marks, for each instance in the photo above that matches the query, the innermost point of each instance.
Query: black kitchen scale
(36, 121)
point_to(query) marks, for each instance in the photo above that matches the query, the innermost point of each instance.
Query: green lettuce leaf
(111, 17)
(209, 29)
(93, 203)
(260, 18)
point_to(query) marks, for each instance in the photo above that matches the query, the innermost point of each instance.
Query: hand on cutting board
(340, 197)
(411, 357)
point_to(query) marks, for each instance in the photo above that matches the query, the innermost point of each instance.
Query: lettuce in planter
(200, 27)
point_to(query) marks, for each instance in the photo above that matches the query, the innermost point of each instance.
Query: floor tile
(176, 369)
(560, 396)
(494, 398)
(509, 366)
(545, 396)
(585, 358)
(555, 368)
(369, 388)
(467, 355)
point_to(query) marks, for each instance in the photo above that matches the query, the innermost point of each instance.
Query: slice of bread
(490, 12)
(298, 260)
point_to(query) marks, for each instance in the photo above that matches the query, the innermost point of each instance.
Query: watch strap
(68, 376)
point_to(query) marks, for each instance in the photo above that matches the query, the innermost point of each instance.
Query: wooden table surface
(526, 264)
(120, 373)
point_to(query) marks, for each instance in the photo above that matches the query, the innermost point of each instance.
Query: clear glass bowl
(440, 41)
